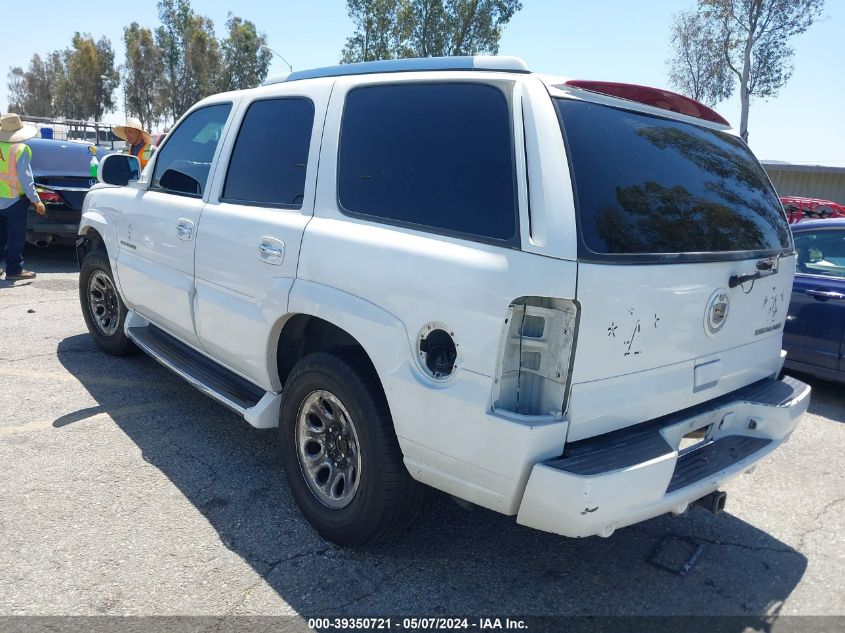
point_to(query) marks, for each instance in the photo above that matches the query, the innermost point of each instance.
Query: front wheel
(102, 307)
(340, 452)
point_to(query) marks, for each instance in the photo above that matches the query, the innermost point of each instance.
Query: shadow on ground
(827, 397)
(452, 560)
(53, 259)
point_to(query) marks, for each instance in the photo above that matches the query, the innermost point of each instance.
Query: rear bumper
(62, 225)
(620, 478)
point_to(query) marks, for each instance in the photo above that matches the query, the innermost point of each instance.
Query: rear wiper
(765, 267)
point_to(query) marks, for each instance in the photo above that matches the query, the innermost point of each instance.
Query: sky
(608, 40)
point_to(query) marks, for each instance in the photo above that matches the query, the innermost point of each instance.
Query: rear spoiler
(654, 97)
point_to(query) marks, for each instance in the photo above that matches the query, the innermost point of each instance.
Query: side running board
(209, 377)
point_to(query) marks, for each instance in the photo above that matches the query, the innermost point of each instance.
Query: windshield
(647, 185)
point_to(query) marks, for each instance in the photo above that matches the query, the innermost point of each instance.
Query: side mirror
(119, 169)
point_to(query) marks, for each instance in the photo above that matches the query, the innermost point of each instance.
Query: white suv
(561, 300)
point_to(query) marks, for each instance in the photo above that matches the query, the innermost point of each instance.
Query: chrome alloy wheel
(103, 303)
(328, 450)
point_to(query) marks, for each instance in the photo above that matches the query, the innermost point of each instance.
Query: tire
(102, 307)
(377, 496)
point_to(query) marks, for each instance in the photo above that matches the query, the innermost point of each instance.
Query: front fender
(102, 219)
(94, 219)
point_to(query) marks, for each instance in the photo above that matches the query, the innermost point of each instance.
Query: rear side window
(648, 185)
(183, 163)
(270, 156)
(821, 252)
(437, 157)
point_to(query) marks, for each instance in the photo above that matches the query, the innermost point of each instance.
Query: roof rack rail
(421, 64)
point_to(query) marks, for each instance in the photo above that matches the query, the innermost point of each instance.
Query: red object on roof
(798, 208)
(655, 97)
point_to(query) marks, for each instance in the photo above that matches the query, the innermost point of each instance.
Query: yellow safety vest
(10, 186)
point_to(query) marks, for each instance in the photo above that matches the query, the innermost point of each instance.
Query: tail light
(49, 197)
(535, 357)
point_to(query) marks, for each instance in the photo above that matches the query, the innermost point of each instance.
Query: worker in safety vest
(17, 190)
(140, 142)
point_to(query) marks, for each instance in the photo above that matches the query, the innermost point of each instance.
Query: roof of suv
(477, 62)
(656, 100)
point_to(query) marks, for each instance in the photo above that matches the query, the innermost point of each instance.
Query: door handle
(271, 251)
(824, 295)
(185, 229)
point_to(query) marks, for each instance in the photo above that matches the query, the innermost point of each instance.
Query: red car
(798, 209)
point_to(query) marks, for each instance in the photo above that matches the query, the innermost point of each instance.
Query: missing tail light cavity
(532, 376)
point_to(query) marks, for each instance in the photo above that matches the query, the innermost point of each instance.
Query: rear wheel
(343, 462)
(102, 307)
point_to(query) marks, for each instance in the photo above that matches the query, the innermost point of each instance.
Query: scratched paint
(629, 331)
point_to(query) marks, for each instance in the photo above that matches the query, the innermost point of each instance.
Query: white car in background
(560, 300)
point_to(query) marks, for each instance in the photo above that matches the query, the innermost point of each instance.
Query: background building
(811, 181)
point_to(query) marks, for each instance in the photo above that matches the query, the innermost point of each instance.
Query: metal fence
(93, 132)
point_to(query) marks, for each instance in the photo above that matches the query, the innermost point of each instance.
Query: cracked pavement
(126, 492)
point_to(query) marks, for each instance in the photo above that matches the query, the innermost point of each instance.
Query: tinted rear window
(649, 185)
(437, 157)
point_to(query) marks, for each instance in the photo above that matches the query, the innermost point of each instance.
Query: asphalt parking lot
(126, 492)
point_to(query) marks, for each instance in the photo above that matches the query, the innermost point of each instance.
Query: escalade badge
(717, 311)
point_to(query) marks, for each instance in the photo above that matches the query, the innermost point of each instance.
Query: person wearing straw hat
(140, 141)
(17, 190)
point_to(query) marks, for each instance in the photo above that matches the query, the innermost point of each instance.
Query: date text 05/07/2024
(424, 624)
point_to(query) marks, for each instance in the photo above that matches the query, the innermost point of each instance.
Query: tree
(90, 72)
(202, 59)
(63, 92)
(752, 38)
(16, 85)
(697, 66)
(382, 30)
(29, 91)
(461, 27)
(389, 29)
(142, 81)
(245, 62)
(192, 62)
(168, 38)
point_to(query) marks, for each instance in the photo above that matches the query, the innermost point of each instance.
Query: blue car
(62, 177)
(814, 336)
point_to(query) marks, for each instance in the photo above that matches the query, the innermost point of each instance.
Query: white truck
(561, 300)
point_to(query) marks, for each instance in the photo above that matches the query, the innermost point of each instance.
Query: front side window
(821, 252)
(648, 185)
(432, 156)
(270, 157)
(183, 164)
